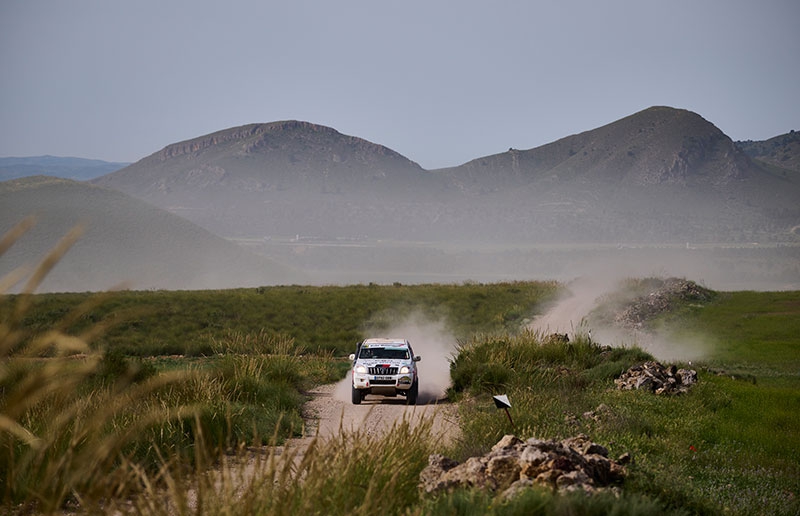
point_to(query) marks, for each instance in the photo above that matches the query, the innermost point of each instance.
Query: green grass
(319, 319)
(189, 377)
(171, 379)
(543, 503)
(730, 445)
(754, 331)
(84, 426)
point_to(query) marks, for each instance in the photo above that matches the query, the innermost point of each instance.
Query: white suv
(386, 367)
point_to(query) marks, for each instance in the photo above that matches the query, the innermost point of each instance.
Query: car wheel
(356, 396)
(411, 397)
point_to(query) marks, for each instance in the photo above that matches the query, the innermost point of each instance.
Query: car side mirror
(352, 356)
(417, 358)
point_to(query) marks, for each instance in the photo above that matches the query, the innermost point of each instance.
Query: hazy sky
(439, 82)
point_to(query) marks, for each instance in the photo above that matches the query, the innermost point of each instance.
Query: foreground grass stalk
(352, 473)
(64, 437)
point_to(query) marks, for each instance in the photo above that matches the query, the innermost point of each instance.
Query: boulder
(513, 465)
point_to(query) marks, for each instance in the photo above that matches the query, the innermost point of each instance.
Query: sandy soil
(330, 412)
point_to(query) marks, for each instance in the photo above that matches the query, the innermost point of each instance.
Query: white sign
(501, 401)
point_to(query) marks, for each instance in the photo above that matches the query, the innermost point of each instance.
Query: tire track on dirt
(330, 412)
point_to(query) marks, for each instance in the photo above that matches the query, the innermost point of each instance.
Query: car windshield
(391, 353)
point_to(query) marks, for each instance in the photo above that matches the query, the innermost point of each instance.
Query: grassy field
(318, 319)
(123, 401)
(730, 445)
(750, 332)
(157, 379)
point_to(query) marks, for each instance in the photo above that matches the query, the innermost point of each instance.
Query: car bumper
(376, 382)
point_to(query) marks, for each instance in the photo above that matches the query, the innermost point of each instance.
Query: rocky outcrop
(513, 465)
(636, 314)
(657, 378)
(781, 151)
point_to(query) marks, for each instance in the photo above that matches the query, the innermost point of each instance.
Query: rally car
(387, 367)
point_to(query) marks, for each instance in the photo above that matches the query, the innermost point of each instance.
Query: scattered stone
(583, 445)
(513, 465)
(557, 338)
(570, 419)
(656, 378)
(597, 414)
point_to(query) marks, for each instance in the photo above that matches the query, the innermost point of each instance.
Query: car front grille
(382, 370)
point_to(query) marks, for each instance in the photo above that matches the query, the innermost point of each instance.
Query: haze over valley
(123, 242)
(321, 144)
(662, 191)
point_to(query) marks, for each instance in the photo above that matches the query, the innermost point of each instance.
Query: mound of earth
(644, 300)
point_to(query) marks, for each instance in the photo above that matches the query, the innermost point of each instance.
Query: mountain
(657, 146)
(282, 178)
(280, 156)
(781, 151)
(79, 169)
(660, 175)
(125, 240)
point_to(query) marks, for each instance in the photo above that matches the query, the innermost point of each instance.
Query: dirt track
(330, 412)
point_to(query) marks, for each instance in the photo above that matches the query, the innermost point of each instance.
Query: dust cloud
(569, 314)
(671, 350)
(595, 279)
(431, 341)
(341, 391)
(718, 266)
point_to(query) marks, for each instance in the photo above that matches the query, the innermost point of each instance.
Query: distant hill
(657, 146)
(662, 174)
(781, 151)
(125, 240)
(79, 169)
(281, 178)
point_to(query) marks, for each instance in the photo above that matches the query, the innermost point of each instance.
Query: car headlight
(405, 369)
(361, 369)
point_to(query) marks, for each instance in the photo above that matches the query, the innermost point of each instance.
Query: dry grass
(62, 442)
(352, 473)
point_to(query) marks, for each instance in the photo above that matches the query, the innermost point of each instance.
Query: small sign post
(501, 402)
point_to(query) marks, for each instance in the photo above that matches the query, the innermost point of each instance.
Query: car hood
(375, 362)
